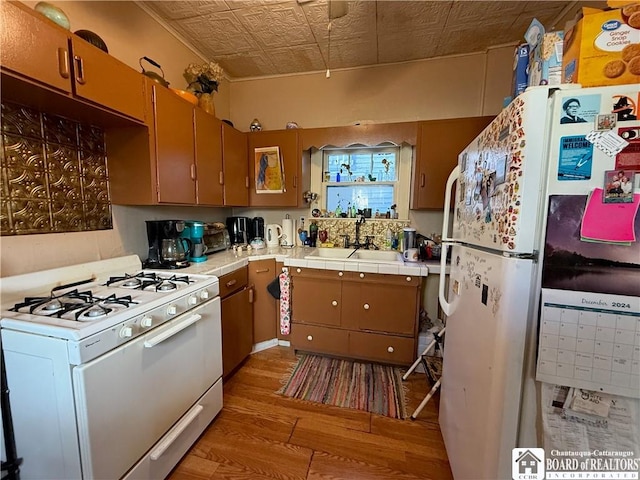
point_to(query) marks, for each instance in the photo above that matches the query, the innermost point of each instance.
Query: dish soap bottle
(388, 239)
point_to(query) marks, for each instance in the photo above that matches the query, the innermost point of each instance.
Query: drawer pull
(298, 270)
(408, 279)
(334, 303)
(362, 275)
(309, 337)
(262, 270)
(366, 306)
(231, 283)
(390, 349)
(340, 274)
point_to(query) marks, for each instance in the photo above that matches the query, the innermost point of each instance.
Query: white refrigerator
(503, 184)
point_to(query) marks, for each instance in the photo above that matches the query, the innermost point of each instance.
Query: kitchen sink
(384, 255)
(353, 255)
(335, 253)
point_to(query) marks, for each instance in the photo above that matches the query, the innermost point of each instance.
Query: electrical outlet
(302, 222)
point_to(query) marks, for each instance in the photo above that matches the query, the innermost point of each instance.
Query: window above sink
(363, 177)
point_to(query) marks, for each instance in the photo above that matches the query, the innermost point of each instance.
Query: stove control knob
(172, 310)
(146, 322)
(193, 300)
(204, 294)
(126, 332)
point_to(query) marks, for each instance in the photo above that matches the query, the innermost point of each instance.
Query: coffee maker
(239, 230)
(257, 228)
(166, 247)
(194, 232)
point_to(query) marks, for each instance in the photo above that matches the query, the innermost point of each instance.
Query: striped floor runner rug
(363, 386)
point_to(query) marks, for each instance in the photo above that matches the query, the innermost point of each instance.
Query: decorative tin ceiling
(254, 38)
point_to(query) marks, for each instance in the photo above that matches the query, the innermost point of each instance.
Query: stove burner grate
(84, 305)
(149, 281)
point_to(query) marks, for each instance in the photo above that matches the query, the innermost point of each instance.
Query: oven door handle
(170, 332)
(176, 431)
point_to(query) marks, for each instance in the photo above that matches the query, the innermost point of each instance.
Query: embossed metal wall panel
(53, 172)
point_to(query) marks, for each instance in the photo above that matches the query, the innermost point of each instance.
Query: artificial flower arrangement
(203, 78)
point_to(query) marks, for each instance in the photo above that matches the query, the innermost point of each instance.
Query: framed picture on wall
(269, 170)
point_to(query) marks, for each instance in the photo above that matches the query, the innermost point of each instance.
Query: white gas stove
(98, 308)
(93, 341)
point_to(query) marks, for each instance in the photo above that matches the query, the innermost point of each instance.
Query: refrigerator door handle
(453, 177)
(446, 307)
(444, 304)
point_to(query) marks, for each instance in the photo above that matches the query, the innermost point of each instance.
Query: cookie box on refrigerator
(603, 47)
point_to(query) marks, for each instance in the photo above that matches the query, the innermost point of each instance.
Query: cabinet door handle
(298, 270)
(366, 306)
(231, 283)
(295, 181)
(251, 293)
(362, 275)
(246, 182)
(390, 349)
(262, 270)
(193, 171)
(422, 180)
(334, 303)
(309, 337)
(221, 179)
(79, 70)
(408, 279)
(340, 274)
(63, 62)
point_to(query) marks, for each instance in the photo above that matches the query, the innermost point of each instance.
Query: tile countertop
(221, 263)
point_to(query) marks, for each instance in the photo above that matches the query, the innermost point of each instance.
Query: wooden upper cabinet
(41, 51)
(235, 163)
(295, 176)
(439, 143)
(208, 150)
(105, 80)
(174, 145)
(32, 46)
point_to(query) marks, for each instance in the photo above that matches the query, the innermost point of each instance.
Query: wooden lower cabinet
(355, 315)
(261, 274)
(237, 320)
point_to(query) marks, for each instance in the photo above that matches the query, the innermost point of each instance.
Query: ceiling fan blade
(338, 8)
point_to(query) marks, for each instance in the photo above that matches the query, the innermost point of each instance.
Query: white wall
(439, 88)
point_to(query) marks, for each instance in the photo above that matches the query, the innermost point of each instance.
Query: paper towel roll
(288, 233)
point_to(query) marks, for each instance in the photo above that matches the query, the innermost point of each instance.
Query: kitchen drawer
(234, 281)
(317, 273)
(319, 339)
(382, 348)
(404, 280)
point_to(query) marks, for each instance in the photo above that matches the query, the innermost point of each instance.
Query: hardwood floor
(262, 435)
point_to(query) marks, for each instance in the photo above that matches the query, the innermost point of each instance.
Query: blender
(194, 233)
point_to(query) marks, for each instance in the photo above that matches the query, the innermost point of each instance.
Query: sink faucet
(360, 220)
